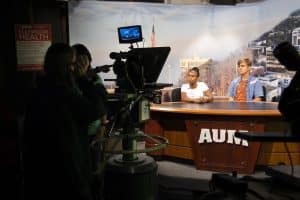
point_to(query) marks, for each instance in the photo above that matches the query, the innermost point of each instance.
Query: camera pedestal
(131, 174)
(133, 180)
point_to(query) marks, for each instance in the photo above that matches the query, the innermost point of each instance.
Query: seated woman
(195, 91)
(245, 87)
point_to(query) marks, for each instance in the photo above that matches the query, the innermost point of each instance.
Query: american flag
(153, 37)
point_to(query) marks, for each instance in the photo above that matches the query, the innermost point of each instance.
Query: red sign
(32, 42)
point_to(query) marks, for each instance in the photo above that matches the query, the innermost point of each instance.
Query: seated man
(245, 87)
(195, 91)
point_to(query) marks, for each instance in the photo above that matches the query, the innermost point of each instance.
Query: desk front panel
(216, 148)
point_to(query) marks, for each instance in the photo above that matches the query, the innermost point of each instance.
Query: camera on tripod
(136, 74)
(137, 71)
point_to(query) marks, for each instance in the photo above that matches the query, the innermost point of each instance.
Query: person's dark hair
(80, 49)
(195, 69)
(58, 59)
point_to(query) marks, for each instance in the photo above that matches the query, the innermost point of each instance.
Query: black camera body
(139, 68)
(136, 74)
(289, 103)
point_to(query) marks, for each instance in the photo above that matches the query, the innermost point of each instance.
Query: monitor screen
(130, 34)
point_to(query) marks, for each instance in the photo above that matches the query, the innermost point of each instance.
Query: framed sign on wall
(32, 42)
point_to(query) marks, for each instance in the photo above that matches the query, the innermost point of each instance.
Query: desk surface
(220, 108)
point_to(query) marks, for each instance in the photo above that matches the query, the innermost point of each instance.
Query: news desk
(205, 133)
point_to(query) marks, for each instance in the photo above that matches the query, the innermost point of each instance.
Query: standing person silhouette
(83, 65)
(96, 128)
(56, 151)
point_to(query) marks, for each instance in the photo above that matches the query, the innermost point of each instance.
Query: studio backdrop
(211, 37)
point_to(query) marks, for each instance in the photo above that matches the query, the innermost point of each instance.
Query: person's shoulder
(201, 84)
(184, 85)
(254, 80)
(236, 80)
(251, 77)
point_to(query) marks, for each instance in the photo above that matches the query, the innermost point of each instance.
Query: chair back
(176, 94)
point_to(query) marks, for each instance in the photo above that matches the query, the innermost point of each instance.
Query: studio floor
(182, 181)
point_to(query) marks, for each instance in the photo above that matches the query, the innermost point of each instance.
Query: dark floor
(182, 181)
(177, 180)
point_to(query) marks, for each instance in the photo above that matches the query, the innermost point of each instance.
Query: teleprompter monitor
(150, 62)
(130, 34)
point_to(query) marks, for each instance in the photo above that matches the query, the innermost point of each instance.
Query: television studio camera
(136, 74)
(289, 103)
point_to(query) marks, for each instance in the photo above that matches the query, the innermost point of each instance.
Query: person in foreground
(195, 91)
(245, 87)
(83, 66)
(56, 151)
(96, 129)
